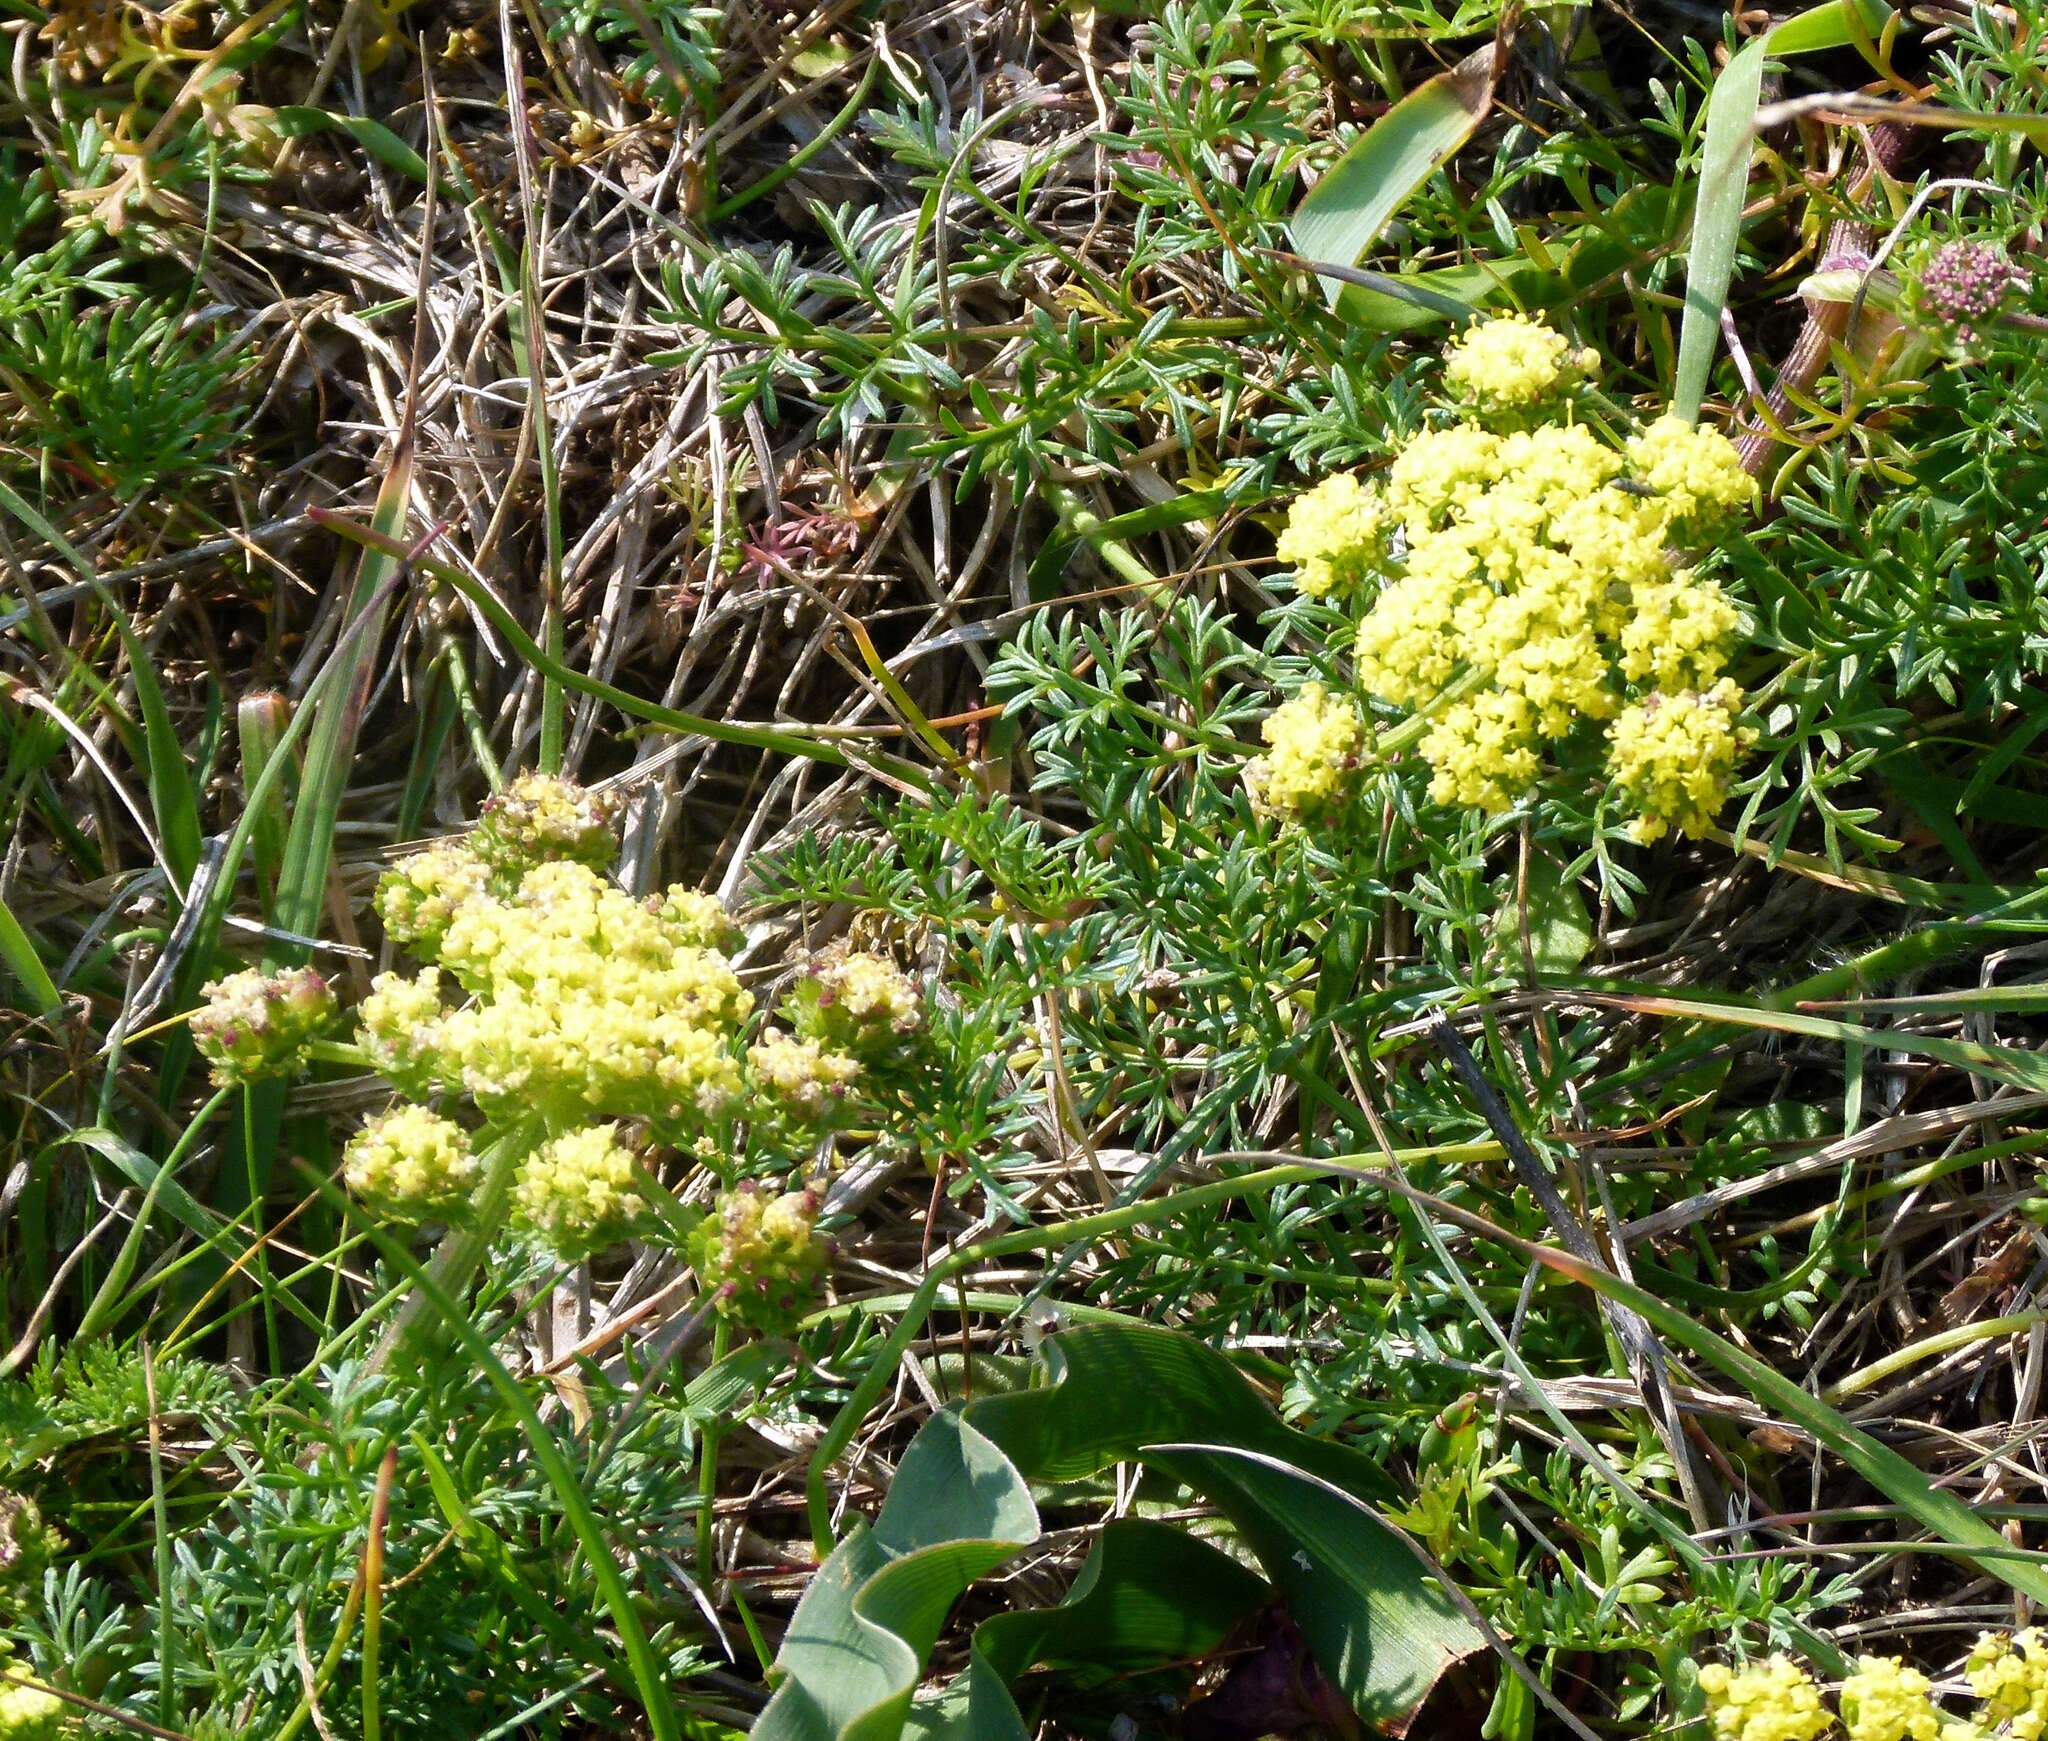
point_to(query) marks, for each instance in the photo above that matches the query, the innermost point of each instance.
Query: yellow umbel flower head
(540, 818)
(1512, 362)
(800, 1078)
(1314, 744)
(1768, 1701)
(580, 1192)
(2010, 1675)
(759, 1259)
(583, 1003)
(412, 1164)
(255, 1024)
(855, 1004)
(419, 898)
(1886, 1701)
(1673, 755)
(29, 1713)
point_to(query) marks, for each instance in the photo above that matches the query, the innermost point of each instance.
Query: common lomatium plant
(560, 1041)
(1522, 583)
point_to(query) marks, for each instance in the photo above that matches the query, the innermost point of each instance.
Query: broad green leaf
(1560, 930)
(1828, 26)
(1343, 214)
(1378, 1623)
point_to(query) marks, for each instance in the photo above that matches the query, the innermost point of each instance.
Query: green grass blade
(172, 799)
(19, 953)
(1343, 214)
(1959, 1529)
(1717, 222)
(648, 1678)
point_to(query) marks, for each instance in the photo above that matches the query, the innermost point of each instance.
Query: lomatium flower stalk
(1521, 585)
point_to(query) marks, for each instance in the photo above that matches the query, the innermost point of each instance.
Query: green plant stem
(707, 1471)
(373, 1591)
(768, 183)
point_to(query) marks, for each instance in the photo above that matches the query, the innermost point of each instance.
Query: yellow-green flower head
(580, 1192)
(587, 1003)
(29, 1713)
(1314, 744)
(411, 1164)
(1679, 633)
(256, 1024)
(419, 898)
(2010, 1676)
(1697, 472)
(398, 1026)
(697, 920)
(855, 1004)
(540, 818)
(1886, 1701)
(799, 1077)
(1672, 757)
(759, 1259)
(1512, 362)
(1768, 1701)
(1336, 535)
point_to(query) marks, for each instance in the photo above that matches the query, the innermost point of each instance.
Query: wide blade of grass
(1717, 222)
(19, 953)
(1344, 213)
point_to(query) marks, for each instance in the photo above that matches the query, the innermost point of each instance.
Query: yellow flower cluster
(1512, 361)
(413, 1164)
(1673, 756)
(538, 818)
(1769, 1701)
(583, 1002)
(759, 1259)
(2010, 1675)
(1886, 1701)
(1532, 573)
(855, 1004)
(255, 1024)
(1314, 741)
(29, 1713)
(580, 1191)
(799, 1076)
(1335, 534)
(419, 899)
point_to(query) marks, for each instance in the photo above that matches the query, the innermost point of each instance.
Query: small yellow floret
(399, 1029)
(1510, 362)
(411, 1163)
(1336, 534)
(1314, 740)
(578, 1192)
(1673, 755)
(29, 1713)
(1886, 1701)
(1769, 1701)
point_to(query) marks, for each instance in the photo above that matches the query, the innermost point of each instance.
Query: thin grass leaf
(1958, 1529)
(19, 953)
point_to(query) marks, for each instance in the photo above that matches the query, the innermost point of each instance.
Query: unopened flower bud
(540, 819)
(760, 1259)
(856, 1004)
